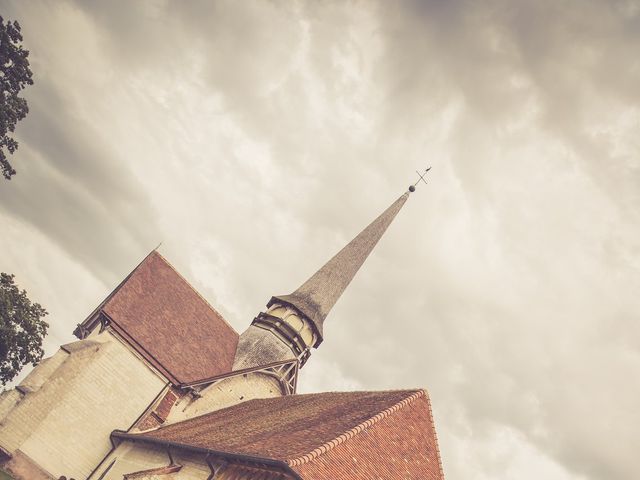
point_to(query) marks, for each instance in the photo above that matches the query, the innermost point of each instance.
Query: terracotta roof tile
(354, 435)
(402, 445)
(170, 324)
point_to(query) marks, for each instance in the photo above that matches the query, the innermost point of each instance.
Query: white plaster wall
(135, 457)
(64, 426)
(225, 393)
(130, 458)
(193, 466)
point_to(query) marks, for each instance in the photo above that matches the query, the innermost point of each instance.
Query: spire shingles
(315, 298)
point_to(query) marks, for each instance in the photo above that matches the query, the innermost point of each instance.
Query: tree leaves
(22, 329)
(15, 75)
(21, 326)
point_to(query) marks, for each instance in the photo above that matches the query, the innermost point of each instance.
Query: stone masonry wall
(64, 425)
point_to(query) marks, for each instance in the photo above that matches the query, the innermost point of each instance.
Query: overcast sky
(254, 139)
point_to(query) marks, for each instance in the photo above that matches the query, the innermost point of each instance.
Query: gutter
(283, 465)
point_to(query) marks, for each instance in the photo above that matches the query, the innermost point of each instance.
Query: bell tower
(292, 323)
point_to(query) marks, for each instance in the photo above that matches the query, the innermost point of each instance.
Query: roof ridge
(233, 373)
(352, 432)
(113, 292)
(194, 290)
(435, 434)
(124, 336)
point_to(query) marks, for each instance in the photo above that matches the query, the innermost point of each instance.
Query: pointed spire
(319, 294)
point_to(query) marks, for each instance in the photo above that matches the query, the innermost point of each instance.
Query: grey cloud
(72, 191)
(507, 286)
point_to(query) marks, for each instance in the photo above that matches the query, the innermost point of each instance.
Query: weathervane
(412, 188)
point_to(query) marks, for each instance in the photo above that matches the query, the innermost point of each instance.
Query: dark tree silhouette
(22, 329)
(21, 325)
(14, 76)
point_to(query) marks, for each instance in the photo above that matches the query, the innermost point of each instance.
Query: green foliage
(14, 76)
(21, 329)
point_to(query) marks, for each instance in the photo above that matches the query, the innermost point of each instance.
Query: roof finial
(412, 188)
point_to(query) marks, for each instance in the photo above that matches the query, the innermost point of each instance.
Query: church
(159, 386)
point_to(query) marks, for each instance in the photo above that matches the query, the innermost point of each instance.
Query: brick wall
(159, 412)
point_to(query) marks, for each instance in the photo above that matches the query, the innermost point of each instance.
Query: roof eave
(233, 373)
(314, 320)
(92, 319)
(119, 434)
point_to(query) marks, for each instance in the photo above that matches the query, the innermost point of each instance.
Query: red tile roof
(402, 445)
(347, 435)
(170, 324)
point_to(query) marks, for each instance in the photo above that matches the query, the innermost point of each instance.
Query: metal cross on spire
(412, 188)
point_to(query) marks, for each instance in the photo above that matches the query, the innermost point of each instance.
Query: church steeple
(293, 323)
(315, 297)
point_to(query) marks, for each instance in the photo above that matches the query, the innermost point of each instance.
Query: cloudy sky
(254, 139)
